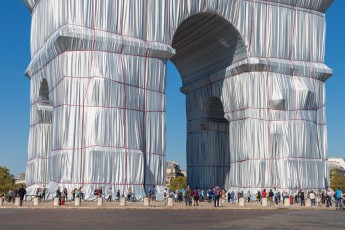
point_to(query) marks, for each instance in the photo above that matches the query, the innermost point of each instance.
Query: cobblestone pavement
(158, 218)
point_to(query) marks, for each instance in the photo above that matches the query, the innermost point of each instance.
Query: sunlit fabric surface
(252, 72)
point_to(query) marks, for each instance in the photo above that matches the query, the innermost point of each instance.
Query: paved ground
(62, 218)
(136, 216)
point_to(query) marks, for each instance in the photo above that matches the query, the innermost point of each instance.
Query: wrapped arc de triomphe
(253, 74)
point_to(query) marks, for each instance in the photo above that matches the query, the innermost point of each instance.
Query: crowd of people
(274, 196)
(216, 196)
(12, 194)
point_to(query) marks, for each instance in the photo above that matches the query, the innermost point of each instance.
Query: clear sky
(14, 89)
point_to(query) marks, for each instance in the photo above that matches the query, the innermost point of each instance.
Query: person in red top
(196, 196)
(264, 193)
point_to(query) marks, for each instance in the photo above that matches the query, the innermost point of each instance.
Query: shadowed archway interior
(205, 44)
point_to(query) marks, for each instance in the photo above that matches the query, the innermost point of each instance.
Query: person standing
(64, 195)
(118, 194)
(232, 194)
(73, 193)
(129, 195)
(100, 192)
(248, 196)
(209, 195)
(165, 194)
(58, 194)
(217, 194)
(44, 193)
(264, 193)
(312, 198)
(188, 194)
(110, 195)
(302, 198)
(338, 195)
(21, 194)
(270, 197)
(153, 196)
(329, 197)
(9, 193)
(196, 196)
(15, 193)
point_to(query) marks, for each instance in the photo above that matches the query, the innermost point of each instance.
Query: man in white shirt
(312, 198)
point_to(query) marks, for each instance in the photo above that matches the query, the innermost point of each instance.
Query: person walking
(110, 195)
(21, 194)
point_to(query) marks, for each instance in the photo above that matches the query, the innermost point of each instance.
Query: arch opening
(44, 91)
(205, 44)
(214, 111)
(44, 105)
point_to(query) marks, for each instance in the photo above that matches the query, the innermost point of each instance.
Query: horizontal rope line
(272, 187)
(109, 183)
(278, 158)
(260, 119)
(110, 107)
(119, 82)
(105, 146)
(92, 51)
(250, 118)
(254, 71)
(298, 8)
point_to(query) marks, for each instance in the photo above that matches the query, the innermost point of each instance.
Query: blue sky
(14, 89)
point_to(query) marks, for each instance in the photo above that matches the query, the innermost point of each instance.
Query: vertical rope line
(251, 26)
(269, 141)
(85, 94)
(145, 97)
(125, 107)
(293, 40)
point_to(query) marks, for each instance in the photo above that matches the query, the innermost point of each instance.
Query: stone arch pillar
(40, 134)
